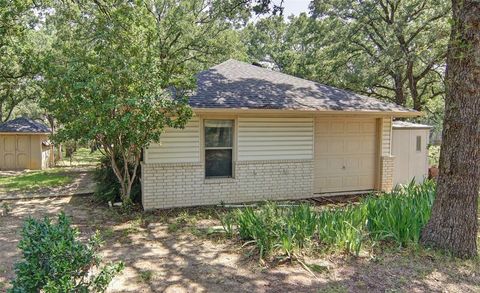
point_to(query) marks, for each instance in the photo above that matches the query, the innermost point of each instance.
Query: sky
(295, 6)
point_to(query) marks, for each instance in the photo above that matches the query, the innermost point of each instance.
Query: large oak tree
(401, 44)
(454, 224)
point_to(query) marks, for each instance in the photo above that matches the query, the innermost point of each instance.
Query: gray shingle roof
(238, 85)
(409, 125)
(24, 125)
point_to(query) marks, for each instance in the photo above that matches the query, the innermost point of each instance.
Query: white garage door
(345, 154)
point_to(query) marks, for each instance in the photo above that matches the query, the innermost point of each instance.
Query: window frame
(418, 143)
(232, 147)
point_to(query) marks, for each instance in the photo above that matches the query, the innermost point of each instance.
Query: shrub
(396, 217)
(54, 260)
(400, 215)
(108, 188)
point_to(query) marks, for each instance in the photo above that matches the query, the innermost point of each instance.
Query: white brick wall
(183, 184)
(386, 174)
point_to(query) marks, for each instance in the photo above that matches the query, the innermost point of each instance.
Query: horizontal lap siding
(177, 145)
(275, 139)
(387, 136)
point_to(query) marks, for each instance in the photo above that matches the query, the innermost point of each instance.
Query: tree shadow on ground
(161, 260)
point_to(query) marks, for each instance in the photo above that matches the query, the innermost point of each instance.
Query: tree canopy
(20, 48)
(392, 50)
(119, 72)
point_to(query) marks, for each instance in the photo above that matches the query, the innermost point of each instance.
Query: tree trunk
(51, 121)
(412, 86)
(59, 152)
(400, 98)
(453, 224)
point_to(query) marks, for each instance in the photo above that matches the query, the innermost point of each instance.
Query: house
(410, 149)
(259, 134)
(24, 145)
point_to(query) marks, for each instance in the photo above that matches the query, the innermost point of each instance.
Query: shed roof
(24, 125)
(238, 85)
(409, 125)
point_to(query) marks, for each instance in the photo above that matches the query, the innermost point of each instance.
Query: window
(419, 143)
(218, 148)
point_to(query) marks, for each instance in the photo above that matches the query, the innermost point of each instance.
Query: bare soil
(180, 251)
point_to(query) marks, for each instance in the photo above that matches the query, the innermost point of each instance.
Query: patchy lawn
(32, 180)
(51, 182)
(185, 251)
(82, 157)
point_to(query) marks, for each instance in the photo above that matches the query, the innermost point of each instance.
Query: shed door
(345, 154)
(16, 152)
(9, 146)
(23, 151)
(411, 156)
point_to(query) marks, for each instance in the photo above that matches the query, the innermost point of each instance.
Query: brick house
(258, 134)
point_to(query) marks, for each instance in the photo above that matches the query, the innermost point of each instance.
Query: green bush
(395, 217)
(108, 188)
(433, 155)
(54, 260)
(400, 215)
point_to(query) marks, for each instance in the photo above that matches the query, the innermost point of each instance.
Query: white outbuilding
(410, 149)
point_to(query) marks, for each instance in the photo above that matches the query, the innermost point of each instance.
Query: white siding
(387, 136)
(410, 163)
(275, 138)
(177, 145)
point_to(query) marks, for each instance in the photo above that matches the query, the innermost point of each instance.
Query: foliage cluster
(433, 155)
(20, 54)
(107, 187)
(395, 217)
(119, 73)
(55, 260)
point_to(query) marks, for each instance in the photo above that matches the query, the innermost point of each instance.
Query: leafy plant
(396, 217)
(227, 221)
(433, 155)
(55, 260)
(107, 186)
(146, 276)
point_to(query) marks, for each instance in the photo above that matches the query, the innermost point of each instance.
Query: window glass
(218, 163)
(218, 148)
(419, 143)
(218, 133)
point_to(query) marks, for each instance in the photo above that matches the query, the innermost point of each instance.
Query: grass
(82, 157)
(395, 218)
(35, 180)
(146, 276)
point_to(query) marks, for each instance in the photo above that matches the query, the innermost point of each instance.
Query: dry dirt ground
(179, 251)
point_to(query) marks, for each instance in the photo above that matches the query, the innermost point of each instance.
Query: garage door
(345, 154)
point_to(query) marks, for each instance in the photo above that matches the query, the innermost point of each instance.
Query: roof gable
(238, 85)
(24, 125)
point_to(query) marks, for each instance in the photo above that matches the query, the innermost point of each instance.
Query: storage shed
(24, 145)
(410, 149)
